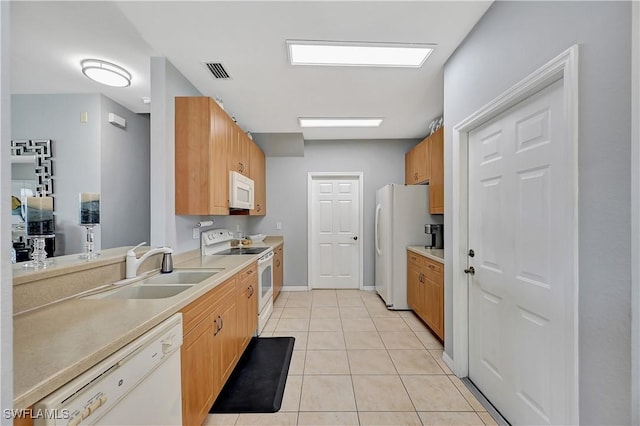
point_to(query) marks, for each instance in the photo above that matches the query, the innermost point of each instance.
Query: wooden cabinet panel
(278, 271)
(240, 147)
(258, 174)
(436, 179)
(225, 343)
(425, 291)
(200, 158)
(247, 303)
(414, 289)
(209, 351)
(417, 164)
(198, 375)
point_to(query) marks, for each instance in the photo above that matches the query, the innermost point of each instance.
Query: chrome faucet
(133, 263)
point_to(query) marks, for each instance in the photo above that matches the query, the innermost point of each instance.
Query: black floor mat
(257, 383)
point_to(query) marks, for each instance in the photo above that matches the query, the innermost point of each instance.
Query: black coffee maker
(435, 236)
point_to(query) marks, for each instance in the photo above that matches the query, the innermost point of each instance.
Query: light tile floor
(357, 363)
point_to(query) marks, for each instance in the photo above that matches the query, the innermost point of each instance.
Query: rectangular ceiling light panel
(358, 54)
(339, 122)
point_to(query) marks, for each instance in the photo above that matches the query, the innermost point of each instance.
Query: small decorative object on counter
(89, 217)
(39, 225)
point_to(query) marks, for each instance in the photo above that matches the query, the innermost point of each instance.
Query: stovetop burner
(244, 250)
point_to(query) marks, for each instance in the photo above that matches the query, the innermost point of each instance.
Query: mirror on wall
(31, 176)
(90, 155)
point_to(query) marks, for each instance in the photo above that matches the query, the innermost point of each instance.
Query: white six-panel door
(520, 222)
(335, 239)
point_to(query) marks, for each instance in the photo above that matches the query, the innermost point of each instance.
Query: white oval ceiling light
(106, 73)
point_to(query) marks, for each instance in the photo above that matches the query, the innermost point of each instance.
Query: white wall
(635, 217)
(167, 228)
(381, 161)
(510, 41)
(125, 176)
(6, 278)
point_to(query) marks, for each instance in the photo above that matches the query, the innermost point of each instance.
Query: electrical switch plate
(196, 233)
(84, 117)
(278, 225)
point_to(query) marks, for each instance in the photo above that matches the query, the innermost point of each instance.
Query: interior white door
(335, 224)
(520, 222)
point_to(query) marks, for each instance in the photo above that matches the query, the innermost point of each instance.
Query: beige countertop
(54, 344)
(434, 254)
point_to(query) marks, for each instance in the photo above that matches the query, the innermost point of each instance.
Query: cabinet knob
(355, 238)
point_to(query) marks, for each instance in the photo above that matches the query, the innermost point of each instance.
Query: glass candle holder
(39, 225)
(89, 217)
(89, 210)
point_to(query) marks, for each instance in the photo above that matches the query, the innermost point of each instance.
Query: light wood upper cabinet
(239, 161)
(258, 174)
(425, 291)
(436, 179)
(425, 163)
(208, 145)
(201, 153)
(417, 166)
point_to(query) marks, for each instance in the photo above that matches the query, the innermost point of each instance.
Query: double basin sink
(159, 286)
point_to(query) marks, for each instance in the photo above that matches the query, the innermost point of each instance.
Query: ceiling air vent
(217, 70)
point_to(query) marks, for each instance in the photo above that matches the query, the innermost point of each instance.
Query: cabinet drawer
(193, 313)
(433, 266)
(249, 273)
(415, 259)
(197, 329)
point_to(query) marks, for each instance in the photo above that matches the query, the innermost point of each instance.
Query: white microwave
(240, 191)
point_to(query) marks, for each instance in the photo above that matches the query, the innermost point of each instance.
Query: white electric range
(218, 242)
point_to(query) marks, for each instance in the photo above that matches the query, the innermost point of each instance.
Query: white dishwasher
(138, 385)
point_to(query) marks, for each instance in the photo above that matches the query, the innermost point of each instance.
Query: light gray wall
(381, 161)
(6, 278)
(512, 40)
(76, 153)
(167, 228)
(124, 188)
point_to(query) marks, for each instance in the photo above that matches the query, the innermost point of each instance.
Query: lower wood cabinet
(278, 270)
(425, 291)
(247, 303)
(217, 329)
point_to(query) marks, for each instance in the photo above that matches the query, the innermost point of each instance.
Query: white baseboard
(449, 361)
(305, 288)
(294, 288)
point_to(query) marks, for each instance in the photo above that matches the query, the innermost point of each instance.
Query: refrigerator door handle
(377, 228)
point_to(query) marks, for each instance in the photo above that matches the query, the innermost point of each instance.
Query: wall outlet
(196, 233)
(278, 225)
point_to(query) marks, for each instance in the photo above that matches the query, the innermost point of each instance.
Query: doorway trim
(359, 176)
(562, 67)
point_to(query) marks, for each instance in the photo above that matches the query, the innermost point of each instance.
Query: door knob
(355, 238)
(471, 270)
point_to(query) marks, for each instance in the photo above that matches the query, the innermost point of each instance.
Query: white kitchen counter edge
(49, 353)
(433, 254)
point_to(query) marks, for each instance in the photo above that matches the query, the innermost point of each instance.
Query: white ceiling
(265, 93)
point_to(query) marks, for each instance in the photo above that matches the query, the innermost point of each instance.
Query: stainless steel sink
(181, 276)
(142, 291)
(159, 286)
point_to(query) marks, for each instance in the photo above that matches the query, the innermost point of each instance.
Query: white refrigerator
(401, 213)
